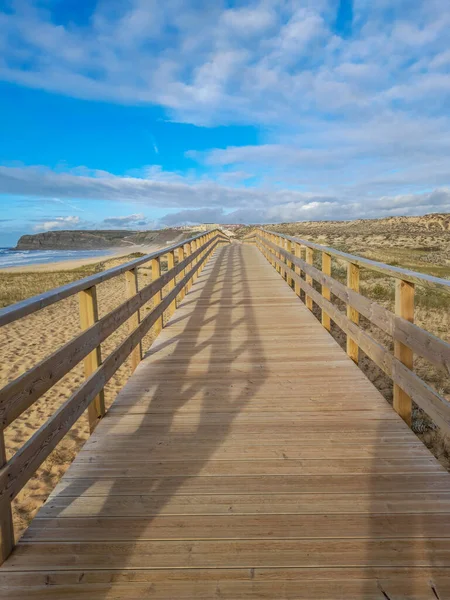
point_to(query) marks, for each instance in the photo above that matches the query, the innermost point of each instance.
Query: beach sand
(28, 341)
(65, 265)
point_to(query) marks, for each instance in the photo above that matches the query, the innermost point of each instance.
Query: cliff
(97, 239)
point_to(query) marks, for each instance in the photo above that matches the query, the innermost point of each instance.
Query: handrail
(404, 274)
(285, 254)
(30, 305)
(22, 392)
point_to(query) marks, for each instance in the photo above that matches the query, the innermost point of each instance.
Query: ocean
(23, 258)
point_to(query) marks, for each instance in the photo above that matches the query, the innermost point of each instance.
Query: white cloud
(210, 201)
(70, 222)
(361, 120)
(137, 220)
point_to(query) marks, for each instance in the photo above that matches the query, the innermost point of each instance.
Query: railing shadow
(223, 275)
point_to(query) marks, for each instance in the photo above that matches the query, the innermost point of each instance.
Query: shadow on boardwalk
(213, 336)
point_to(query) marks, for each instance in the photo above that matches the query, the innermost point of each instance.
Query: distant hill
(99, 239)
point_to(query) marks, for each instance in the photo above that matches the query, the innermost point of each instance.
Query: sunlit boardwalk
(247, 457)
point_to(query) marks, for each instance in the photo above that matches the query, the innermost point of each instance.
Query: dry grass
(29, 340)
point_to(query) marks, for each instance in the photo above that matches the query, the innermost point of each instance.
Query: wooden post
(308, 278)
(170, 265)
(326, 269)
(156, 273)
(352, 314)
(89, 316)
(274, 241)
(131, 286)
(286, 248)
(289, 249)
(188, 249)
(404, 307)
(280, 243)
(182, 274)
(6, 521)
(193, 249)
(202, 253)
(298, 254)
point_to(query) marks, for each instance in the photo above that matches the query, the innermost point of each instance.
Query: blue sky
(141, 114)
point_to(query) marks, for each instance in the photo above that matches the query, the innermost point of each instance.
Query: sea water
(23, 258)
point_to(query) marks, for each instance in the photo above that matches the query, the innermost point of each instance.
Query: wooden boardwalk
(247, 457)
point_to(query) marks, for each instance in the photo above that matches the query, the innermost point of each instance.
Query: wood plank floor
(247, 457)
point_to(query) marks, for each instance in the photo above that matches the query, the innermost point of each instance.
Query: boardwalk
(247, 457)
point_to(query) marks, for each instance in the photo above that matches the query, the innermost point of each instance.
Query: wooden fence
(293, 258)
(184, 260)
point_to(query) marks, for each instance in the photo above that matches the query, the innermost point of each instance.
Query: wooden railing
(21, 393)
(286, 254)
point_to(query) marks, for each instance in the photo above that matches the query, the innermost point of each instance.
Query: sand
(29, 340)
(65, 265)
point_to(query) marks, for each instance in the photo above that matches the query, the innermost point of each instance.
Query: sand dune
(29, 340)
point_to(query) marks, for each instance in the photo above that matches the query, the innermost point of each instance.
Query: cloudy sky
(146, 113)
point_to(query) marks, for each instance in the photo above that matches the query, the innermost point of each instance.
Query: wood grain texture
(88, 317)
(247, 457)
(131, 287)
(404, 307)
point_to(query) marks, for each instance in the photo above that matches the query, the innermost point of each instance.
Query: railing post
(182, 274)
(89, 316)
(188, 252)
(156, 273)
(171, 285)
(298, 254)
(131, 286)
(6, 520)
(281, 257)
(289, 263)
(404, 307)
(193, 263)
(326, 270)
(308, 278)
(352, 314)
(202, 253)
(286, 260)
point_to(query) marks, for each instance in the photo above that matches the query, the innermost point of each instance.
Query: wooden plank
(413, 584)
(248, 527)
(156, 273)
(146, 505)
(6, 520)
(106, 468)
(131, 284)
(180, 260)
(258, 484)
(171, 285)
(326, 269)
(88, 317)
(298, 254)
(352, 314)
(308, 278)
(404, 307)
(236, 553)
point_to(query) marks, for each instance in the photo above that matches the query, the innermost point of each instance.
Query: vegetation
(16, 286)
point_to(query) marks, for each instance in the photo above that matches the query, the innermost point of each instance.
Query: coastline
(29, 340)
(68, 265)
